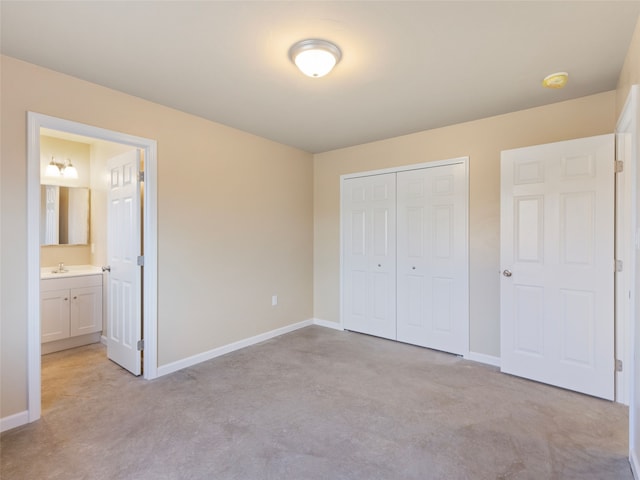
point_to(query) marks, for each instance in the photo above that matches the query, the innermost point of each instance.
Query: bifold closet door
(369, 254)
(432, 273)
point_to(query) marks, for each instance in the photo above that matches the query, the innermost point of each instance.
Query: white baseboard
(327, 324)
(483, 358)
(71, 342)
(103, 340)
(13, 421)
(216, 352)
(635, 464)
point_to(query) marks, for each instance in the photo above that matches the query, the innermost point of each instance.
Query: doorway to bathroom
(117, 219)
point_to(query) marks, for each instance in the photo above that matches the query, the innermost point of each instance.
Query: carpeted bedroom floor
(313, 404)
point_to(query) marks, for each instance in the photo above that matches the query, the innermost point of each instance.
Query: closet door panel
(432, 247)
(369, 249)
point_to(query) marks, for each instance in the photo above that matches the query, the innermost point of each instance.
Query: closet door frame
(404, 168)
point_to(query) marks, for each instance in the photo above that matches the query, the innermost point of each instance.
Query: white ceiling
(406, 66)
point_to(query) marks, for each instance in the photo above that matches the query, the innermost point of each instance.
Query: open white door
(557, 283)
(124, 327)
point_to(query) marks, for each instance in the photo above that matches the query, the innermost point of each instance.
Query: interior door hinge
(141, 176)
(619, 166)
(141, 260)
(619, 265)
(618, 365)
(141, 345)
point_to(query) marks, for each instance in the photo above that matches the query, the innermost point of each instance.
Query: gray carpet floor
(313, 404)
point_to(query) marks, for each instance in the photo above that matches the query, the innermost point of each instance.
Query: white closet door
(432, 258)
(369, 253)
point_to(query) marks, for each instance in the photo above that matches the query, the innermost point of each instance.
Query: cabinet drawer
(71, 282)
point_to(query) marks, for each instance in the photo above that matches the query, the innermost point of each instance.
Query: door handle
(106, 268)
(507, 273)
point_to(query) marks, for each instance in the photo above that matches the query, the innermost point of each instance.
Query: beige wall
(235, 220)
(482, 141)
(630, 74)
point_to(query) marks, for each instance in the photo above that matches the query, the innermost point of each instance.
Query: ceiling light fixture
(315, 58)
(57, 169)
(555, 80)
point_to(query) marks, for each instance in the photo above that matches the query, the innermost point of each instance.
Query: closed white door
(369, 254)
(557, 233)
(124, 328)
(432, 258)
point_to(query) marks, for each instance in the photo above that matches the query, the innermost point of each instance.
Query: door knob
(507, 273)
(106, 268)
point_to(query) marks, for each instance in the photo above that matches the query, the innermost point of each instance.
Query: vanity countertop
(71, 271)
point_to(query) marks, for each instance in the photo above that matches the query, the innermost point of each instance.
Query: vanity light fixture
(57, 169)
(314, 57)
(555, 80)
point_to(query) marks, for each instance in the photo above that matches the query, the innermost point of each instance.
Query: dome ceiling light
(555, 80)
(315, 58)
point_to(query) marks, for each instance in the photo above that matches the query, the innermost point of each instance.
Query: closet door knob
(507, 273)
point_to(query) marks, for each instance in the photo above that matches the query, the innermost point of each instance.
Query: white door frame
(629, 123)
(625, 251)
(404, 168)
(36, 121)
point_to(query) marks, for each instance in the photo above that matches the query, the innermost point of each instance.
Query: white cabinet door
(432, 258)
(557, 226)
(124, 324)
(369, 255)
(85, 314)
(54, 314)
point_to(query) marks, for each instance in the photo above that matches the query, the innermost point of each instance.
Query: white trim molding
(13, 421)
(231, 347)
(635, 465)
(483, 358)
(328, 324)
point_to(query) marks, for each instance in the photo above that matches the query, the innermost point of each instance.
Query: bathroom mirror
(64, 215)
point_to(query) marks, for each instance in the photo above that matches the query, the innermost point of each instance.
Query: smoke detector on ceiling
(555, 80)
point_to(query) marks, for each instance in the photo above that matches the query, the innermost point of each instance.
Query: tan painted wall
(482, 141)
(630, 74)
(235, 220)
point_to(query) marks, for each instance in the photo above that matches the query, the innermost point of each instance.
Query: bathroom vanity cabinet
(70, 308)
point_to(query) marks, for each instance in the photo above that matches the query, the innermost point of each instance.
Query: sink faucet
(61, 267)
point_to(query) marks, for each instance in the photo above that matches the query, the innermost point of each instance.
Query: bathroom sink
(69, 271)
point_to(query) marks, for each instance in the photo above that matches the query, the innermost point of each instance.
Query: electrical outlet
(274, 300)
